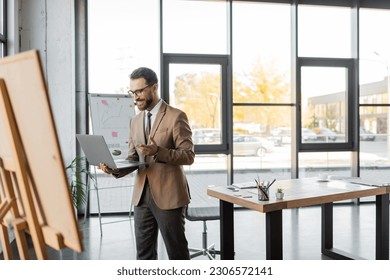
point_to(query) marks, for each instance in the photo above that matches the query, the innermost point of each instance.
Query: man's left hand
(149, 150)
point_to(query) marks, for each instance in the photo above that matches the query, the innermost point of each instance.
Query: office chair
(203, 214)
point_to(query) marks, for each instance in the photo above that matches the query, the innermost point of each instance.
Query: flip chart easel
(45, 195)
(110, 116)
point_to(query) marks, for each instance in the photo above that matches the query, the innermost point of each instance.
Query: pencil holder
(263, 195)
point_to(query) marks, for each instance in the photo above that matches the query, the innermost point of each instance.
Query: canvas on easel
(14, 188)
(30, 103)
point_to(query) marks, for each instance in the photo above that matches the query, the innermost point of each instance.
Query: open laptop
(97, 151)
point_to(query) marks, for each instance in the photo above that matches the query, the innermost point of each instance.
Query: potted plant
(79, 175)
(279, 193)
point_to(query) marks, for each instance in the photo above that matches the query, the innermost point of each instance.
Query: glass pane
(373, 122)
(260, 146)
(261, 53)
(323, 101)
(114, 195)
(374, 143)
(206, 171)
(374, 92)
(117, 44)
(374, 89)
(324, 31)
(115, 49)
(374, 56)
(196, 89)
(330, 163)
(195, 27)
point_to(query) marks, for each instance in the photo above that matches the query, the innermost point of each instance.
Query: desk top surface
(297, 193)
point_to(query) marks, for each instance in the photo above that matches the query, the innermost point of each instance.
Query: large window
(262, 108)
(119, 41)
(196, 80)
(374, 114)
(270, 88)
(326, 90)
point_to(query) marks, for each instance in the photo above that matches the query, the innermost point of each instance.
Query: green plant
(78, 176)
(279, 190)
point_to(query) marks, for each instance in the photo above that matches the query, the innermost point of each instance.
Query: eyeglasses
(138, 92)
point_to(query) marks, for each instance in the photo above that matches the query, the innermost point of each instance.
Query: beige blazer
(172, 133)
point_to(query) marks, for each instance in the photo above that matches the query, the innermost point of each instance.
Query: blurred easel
(35, 195)
(17, 208)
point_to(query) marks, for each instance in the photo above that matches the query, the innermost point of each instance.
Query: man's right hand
(108, 170)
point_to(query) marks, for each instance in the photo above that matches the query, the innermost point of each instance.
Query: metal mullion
(264, 104)
(374, 105)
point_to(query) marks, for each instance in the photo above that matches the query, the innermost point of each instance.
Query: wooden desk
(299, 193)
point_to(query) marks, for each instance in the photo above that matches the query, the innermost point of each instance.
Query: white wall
(48, 26)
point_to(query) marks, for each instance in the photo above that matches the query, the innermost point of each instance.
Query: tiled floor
(354, 231)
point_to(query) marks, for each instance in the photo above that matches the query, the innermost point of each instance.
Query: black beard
(148, 102)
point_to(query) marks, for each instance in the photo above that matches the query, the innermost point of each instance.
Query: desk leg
(274, 235)
(326, 227)
(381, 235)
(382, 227)
(327, 235)
(226, 230)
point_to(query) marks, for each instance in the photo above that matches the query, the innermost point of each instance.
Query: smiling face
(146, 97)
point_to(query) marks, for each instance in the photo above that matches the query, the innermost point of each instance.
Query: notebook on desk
(97, 151)
(361, 181)
(245, 185)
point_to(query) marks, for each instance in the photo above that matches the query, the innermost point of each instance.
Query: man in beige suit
(161, 192)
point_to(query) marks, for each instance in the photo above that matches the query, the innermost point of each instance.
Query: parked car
(206, 136)
(280, 135)
(325, 134)
(366, 135)
(248, 145)
(308, 135)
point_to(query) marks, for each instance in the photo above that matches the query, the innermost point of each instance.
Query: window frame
(351, 103)
(222, 60)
